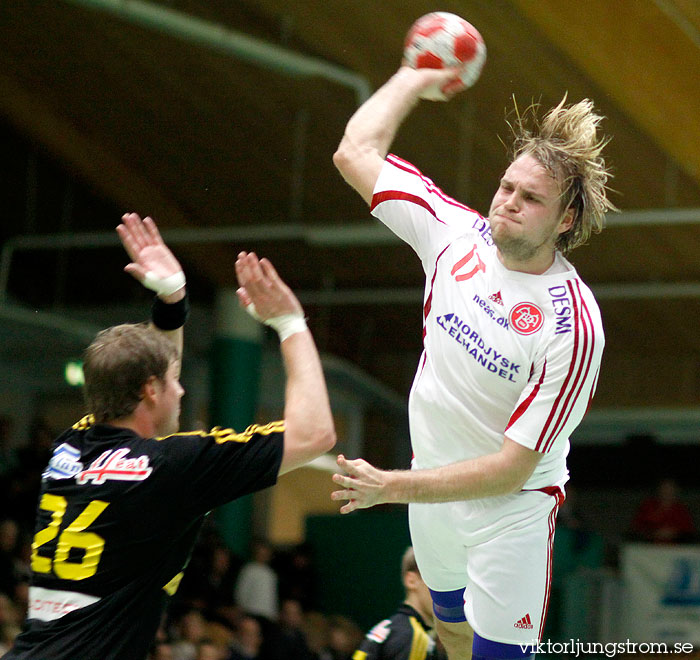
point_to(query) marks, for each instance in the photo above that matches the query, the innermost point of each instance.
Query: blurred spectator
(210, 577)
(210, 650)
(24, 481)
(9, 546)
(10, 623)
(344, 636)
(297, 576)
(220, 577)
(664, 517)
(190, 630)
(248, 640)
(256, 587)
(317, 633)
(293, 643)
(7, 452)
(161, 651)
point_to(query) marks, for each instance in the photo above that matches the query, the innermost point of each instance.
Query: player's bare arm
(372, 129)
(309, 428)
(503, 472)
(152, 263)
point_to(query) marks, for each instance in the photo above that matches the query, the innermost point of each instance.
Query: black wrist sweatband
(170, 316)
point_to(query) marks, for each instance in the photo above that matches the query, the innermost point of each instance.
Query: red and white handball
(440, 40)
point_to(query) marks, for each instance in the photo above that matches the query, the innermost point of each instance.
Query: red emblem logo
(526, 318)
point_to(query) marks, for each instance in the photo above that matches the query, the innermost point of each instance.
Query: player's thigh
(440, 551)
(510, 576)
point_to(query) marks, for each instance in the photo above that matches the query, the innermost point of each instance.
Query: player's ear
(150, 389)
(411, 579)
(567, 222)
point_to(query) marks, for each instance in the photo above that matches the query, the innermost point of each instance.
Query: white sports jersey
(505, 352)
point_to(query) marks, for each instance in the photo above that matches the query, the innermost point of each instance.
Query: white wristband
(285, 326)
(164, 286)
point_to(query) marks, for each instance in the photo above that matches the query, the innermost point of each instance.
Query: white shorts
(500, 549)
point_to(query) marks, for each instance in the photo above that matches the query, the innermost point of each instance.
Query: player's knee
(451, 623)
(457, 639)
(485, 649)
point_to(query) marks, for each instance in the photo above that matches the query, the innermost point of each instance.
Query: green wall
(358, 562)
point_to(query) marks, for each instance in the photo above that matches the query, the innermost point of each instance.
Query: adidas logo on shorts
(525, 622)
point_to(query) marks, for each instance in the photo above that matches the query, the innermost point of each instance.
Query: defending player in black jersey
(124, 494)
(405, 635)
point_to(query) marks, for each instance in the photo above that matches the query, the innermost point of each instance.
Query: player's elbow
(316, 439)
(359, 164)
(326, 440)
(301, 448)
(515, 477)
(515, 483)
(345, 156)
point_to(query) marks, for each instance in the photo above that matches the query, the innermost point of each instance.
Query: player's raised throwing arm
(309, 429)
(372, 128)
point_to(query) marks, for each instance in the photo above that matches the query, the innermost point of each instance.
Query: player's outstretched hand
(260, 285)
(363, 484)
(447, 80)
(152, 262)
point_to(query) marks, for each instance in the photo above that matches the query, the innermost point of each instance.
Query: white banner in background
(661, 593)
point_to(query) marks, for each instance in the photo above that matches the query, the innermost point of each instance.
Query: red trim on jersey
(582, 374)
(593, 388)
(554, 491)
(583, 315)
(430, 185)
(520, 410)
(429, 300)
(578, 371)
(400, 196)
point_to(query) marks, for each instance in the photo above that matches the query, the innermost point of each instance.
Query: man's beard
(516, 248)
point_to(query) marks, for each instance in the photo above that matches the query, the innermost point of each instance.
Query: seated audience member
(664, 517)
(256, 587)
(248, 640)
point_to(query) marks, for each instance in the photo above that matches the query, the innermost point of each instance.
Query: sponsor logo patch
(496, 297)
(525, 623)
(526, 318)
(470, 340)
(112, 465)
(64, 463)
(490, 311)
(380, 632)
(561, 303)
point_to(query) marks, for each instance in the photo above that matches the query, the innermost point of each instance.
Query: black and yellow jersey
(118, 515)
(402, 637)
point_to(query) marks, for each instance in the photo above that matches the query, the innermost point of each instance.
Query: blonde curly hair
(566, 143)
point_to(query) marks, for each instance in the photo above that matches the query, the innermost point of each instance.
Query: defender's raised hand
(152, 262)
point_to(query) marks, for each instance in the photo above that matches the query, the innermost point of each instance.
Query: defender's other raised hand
(261, 286)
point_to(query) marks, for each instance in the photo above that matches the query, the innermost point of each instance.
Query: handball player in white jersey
(512, 348)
